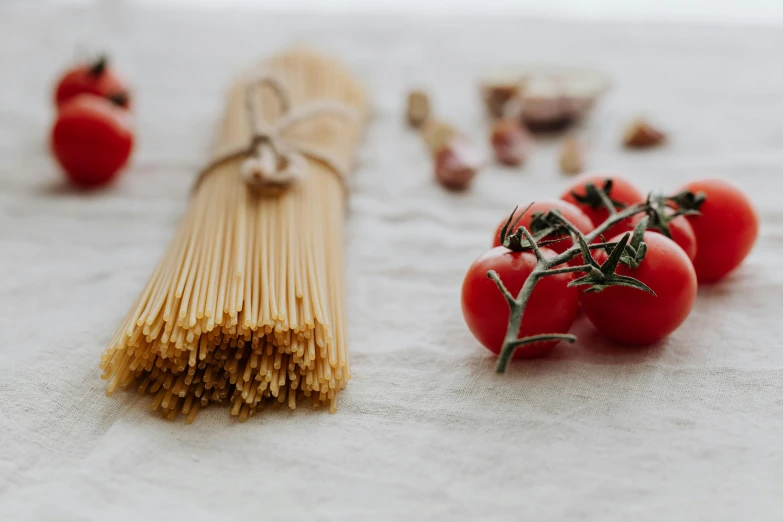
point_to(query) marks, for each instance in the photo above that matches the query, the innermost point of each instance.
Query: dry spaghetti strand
(246, 305)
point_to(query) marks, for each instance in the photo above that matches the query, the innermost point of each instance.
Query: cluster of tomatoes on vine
(632, 262)
(92, 137)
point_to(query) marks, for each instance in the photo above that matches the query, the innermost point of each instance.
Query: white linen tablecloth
(688, 430)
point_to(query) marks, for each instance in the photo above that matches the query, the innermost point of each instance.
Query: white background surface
(687, 430)
(699, 11)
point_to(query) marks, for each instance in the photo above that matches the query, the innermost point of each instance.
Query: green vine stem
(596, 277)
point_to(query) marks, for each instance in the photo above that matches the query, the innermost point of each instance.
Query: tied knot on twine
(272, 162)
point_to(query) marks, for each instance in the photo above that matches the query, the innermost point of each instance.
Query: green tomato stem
(545, 267)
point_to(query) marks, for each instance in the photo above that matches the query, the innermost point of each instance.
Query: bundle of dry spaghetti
(246, 306)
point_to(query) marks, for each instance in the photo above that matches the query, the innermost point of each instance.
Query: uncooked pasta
(246, 307)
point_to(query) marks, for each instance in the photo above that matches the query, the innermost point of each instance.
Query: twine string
(273, 162)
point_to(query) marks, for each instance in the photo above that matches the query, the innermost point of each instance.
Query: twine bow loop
(269, 166)
(273, 162)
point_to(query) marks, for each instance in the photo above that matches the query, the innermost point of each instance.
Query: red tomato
(551, 308)
(622, 191)
(91, 140)
(631, 316)
(725, 231)
(94, 78)
(681, 230)
(571, 212)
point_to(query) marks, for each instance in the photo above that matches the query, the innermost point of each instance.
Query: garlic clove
(511, 142)
(639, 134)
(456, 164)
(572, 156)
(500, 87)
(418, 108)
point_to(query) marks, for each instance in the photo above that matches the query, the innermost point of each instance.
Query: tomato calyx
(517, 242)
(600, 277)
(634, 252)
(98, 65)
(597, 197)
(688, 202)
(120, 99)
(97, 68)
(549, 223)
(663, 209)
